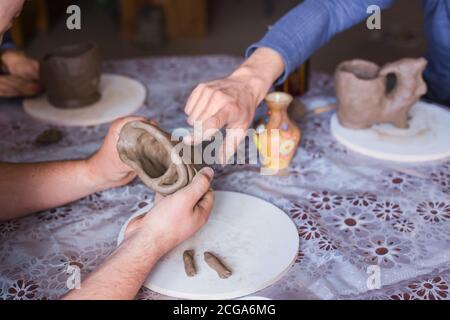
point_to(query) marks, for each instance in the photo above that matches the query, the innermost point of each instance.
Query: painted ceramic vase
(277, 137)
(71, 75)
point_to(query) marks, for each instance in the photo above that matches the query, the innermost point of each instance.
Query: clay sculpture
(367, 94)
(149, 151)
(189, 265)
(71, 75)
(216, 264)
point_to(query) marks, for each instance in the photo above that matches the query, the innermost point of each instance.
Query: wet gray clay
(147, 149)
(71, 75)
(367, 94)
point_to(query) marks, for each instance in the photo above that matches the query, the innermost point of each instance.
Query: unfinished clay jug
(71, 75)
(147, 149)
(367, 94)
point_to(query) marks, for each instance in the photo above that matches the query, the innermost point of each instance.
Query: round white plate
(255, 239)
(121, 96)
(426, 139)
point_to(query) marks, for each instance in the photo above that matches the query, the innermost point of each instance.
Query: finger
(216, 102)
(199, 186)
(158, 197)
(200, 106)
(7, 91)
(233, 138)
(193, 98)
(204, 206)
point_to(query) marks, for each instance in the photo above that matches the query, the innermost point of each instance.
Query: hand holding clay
(107, 170)
(178, 216)
(150, 151)
(231, 102)
(18, 64)
(13, 86)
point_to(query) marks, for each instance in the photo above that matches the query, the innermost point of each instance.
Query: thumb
(200, 184)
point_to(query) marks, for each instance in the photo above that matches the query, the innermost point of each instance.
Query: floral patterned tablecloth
(352, 212)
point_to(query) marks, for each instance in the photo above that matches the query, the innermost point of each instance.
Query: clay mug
(71, 75)
(367, 94)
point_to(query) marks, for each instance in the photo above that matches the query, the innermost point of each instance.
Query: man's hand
(105, 167)
(231, 102)
(13, 86)
(177, 217)
(172, 220)
(18, 64)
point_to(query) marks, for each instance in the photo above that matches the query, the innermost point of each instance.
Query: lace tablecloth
(352, 212)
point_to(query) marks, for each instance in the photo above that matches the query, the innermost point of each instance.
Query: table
(351, 211)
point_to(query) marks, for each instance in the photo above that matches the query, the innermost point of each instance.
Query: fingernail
(207, 171)
(187, 139)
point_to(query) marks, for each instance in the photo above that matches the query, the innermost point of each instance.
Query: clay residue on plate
(368, 95)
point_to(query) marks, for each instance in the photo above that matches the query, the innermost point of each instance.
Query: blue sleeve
(7, 42)
(309, 26)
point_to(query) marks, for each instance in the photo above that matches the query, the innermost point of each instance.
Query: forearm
(31, 187)
(309, 26)
(121, 276)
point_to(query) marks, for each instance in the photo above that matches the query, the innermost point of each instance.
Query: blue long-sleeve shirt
(7, 42)
(311, 24)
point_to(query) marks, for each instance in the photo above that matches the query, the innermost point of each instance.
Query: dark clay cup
(71, 75)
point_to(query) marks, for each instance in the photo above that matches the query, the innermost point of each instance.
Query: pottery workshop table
(351, 211)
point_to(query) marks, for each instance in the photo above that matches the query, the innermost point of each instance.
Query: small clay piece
(71, 75)
(189, 265)
(147, 149)
(367, 94)
(49, 136)
(215, 263)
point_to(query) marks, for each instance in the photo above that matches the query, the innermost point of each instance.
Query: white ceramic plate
(121, 96)
(258, 242)
(426, 139)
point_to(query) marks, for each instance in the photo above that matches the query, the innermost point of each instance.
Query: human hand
(105, 167)
(178, 216)
(13, 86)
(231, 102)
(18, 64)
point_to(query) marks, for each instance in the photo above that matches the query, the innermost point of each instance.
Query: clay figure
(215, 263)
(71, 75)
(367, 94)
(147, 149)
(189, 265)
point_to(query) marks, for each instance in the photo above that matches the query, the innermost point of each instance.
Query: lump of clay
(71, 75)
(367, 94)
(148, 150)
(48, 137)
(217, 265)
(189, 264)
